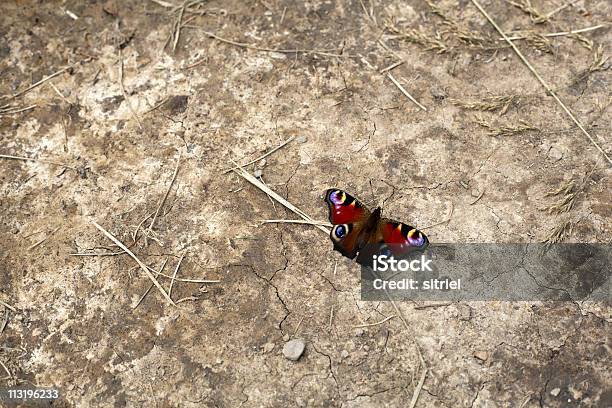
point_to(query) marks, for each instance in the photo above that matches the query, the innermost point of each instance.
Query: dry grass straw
(4, 323)
(257, 183)
(267, 49)
(567, 194)
(9, 307)
(582, 40)
(178, 265)
(505, 130)
(456, 29)
(559, 233)
(404, 91)
(10, 375)
(144, 295)
(44, 239)
(285, 143)
(520, 36)
(417, 36)
(489, 103)
(540, 42)
(599, 60)
(322, 223)
(598, 63)
(359, 326)
(23, 158)
(544, 84)
(42, 81)
(125, 95)
(536, 16)
(163, 200)
(138, 261)
(13, 110)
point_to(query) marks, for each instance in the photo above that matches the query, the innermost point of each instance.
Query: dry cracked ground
(141, 87)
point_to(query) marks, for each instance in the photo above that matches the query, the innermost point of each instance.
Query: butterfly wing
(349, 217)
(401, 238)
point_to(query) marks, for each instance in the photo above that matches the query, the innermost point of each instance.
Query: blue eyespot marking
(417, 241)
(340, 231)
(336, 197)
(385, 250)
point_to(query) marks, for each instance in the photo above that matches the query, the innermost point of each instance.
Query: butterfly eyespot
(340, 231)
(418, 241)
(337, 197)
(385, 250)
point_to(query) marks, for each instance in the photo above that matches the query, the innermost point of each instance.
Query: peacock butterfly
(360, 232)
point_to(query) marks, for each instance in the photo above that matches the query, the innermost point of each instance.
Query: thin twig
(251, 179)
(559, 34)
(156, 106)
(262, 156)
(44, 239)
(6, 156)
(5, 321)
(189, 280)
(125, 95)
(478, 198)
(163, 201)
(431, 305)
(323, 223)
(177, 33)
(9, 307)
(417, 390)
(142, 265)
(374, 324)
(298, 326)
(6, 369)
(186, 299)
(97, 254)
(45, 79)
(392, 66)
(13, 111)
(164, 3)
(178, 265)
(404, 91)
(144, 295)
(266, 49)
(544, 84)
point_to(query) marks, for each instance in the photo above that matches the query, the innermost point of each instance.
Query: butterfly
(359, 231)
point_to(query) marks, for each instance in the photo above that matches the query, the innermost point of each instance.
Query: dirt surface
(75, 324)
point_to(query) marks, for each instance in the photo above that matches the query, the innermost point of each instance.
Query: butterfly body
(360, 232)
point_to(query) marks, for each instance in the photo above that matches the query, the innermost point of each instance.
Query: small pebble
(268, 347)
(481, 355)
(344, 354)
(258, 173)
(555, 391)
(555, 154)
(359, 332)
(286, 338)
(301, 139)
(294, 349)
